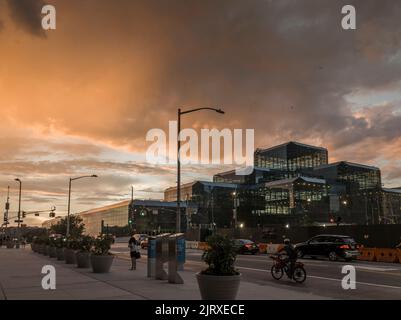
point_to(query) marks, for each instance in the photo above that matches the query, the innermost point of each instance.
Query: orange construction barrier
(386, 255)
(262, 247)
(367, 254)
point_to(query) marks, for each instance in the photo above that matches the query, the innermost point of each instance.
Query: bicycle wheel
(299, 275)
(277, 273)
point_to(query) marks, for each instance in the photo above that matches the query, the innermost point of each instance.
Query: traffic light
(23, 214)
(52, 214)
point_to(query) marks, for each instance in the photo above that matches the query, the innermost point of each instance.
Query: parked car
(246, 246)
(330, 246)
(143, 239)
(110, 235)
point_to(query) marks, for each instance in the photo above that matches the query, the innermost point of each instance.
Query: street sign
(16, 221)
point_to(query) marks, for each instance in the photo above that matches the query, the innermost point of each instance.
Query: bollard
(180, 243)
(151, 257)
(161, 256)
(176, 252)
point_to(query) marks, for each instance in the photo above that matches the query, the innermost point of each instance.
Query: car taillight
(248, 245)
(344, 246)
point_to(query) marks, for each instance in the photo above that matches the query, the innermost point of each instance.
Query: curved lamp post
(69, 199)
(178, 219)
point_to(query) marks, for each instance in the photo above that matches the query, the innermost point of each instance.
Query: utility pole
(178, 218)
(19, 213)
(7, 206)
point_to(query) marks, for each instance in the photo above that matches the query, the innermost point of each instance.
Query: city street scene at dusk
(190, 151)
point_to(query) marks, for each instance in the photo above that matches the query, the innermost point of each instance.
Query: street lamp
(69, 199)
(19, 211)
(179, 113)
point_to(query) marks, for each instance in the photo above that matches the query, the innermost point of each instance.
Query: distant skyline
(80, 99)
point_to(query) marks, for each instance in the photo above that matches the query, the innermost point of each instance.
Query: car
(143, 239)
(110, 235)
(144, 243)
(330, 246)
(246, 246)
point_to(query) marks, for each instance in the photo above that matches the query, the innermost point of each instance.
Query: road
(374, 280)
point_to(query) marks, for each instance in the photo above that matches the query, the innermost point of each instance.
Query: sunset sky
(80, 99)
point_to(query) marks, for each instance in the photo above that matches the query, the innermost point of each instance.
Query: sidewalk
(20, 278)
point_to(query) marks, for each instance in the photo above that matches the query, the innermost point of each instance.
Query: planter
(10, 245)
(43, 249)
(47, 247)
(69, 256)
(218, 287)
(60, 253)
(52, 252)
(83, 259)
(101, 264)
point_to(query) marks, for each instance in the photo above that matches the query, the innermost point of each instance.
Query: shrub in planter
(220, 281)
(101, 258)
(52, 248)
(10, 244)
(46, 243)
(69, 251)
(60, 243)
(35, 245)
(83, 254)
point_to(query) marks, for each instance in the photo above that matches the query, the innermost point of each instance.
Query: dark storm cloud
(27, 15)
(286, 63)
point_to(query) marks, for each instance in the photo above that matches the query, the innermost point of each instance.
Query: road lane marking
(376, 268)
(332, 279)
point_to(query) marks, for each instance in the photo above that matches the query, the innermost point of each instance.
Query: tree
(77, 227)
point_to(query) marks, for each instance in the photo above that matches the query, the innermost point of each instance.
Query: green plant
(59, 242)
(77, 227)
(102, 245)
(72, 243)
(220, 256)
(85, 243)
(52, 241)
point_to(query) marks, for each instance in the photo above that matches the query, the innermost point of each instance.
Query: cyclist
(291, 254)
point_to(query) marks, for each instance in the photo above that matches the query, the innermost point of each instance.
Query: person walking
(133, 244)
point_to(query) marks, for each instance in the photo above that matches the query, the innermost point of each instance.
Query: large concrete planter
(69, 256)
(52, 252)
(10, 244)
(101, 264)
(218, 287)
(60, 253)
(83, 259)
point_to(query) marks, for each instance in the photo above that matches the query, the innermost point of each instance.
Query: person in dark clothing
(291, 254)
(133, 244)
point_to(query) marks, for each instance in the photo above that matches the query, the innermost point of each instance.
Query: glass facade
(115, 215)
(290, 158)
(293, 183)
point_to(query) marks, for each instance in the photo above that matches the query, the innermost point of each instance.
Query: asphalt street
(374, 280)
